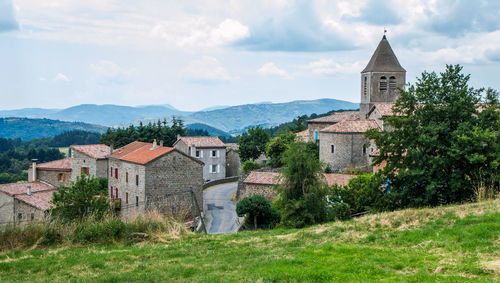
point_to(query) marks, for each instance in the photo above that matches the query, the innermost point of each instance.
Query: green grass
(450, 244)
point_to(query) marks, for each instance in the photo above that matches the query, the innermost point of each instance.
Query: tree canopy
(252, 143)
(443, 146)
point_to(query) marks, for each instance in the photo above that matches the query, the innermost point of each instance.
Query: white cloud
(271, 69)
(196, 32)
(43, 79)
(207, 69)
(107, 72)
(330, 67)
(61, 77)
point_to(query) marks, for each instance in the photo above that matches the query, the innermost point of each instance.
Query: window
(136, 201)
(189, 151)
(198, 153)
(214, 168)
(383, 83)
(84, 170)
(364, 149)
(32, 216)
(61, 177)
(316, 135)
(116, 192)
(116, 173)
(215, 153)
(111, 192)
(111, 171)
(365, 87)
(392, 83)
(126, 177)
(19, 216)
(137, 180)
(332, 148)
(126, 198)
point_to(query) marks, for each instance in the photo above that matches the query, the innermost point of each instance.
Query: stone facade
(374, 94)
(233, 163)
(162, 184)
(55, 177)
(314, 130)
(259, 189)
(214, 158)
(95, 167)
(348, 151)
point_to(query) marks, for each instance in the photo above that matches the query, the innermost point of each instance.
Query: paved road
(220, 211)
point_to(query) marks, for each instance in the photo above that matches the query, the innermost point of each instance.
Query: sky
(197, 54)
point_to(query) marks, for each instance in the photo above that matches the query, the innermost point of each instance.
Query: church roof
(359, 126)
(336, 117)
(383, 59)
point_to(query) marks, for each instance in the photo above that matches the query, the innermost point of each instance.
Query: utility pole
(193, 197)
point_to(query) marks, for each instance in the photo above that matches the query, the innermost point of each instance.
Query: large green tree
(443, 142)
(252, 143)
(277, 146)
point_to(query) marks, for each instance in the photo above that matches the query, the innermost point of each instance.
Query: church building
(341, 135)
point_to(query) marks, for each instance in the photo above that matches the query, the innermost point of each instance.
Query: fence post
(199, 211)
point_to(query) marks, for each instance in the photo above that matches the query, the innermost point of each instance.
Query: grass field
(454, 243)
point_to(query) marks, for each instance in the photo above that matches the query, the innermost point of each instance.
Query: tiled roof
(96, 151)
(262, 178)
(202, 141)
(272, 178)
(40, 200)
(64, 164)
(359, 126)
(21, 188)
(304, 135)
(140, 152)
(336, 117)
(385, 109)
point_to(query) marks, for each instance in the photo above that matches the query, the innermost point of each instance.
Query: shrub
(258, 211)
(339, 211)
(250, 166)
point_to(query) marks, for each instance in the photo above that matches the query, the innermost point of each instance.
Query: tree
(302, 199)
(440, 145)
(276, 147)
(252, 143)
(258, 210)
(86, 196)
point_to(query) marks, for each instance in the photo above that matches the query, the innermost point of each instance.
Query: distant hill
(236, 118)
(230, 119)
(28, 129)
(211, 130)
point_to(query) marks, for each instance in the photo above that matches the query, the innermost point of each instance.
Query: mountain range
(231, 119)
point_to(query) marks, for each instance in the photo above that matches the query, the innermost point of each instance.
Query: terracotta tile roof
(336, 117)
(140, 152)
(262, 178)
(40, 200)
(21, 188)
(202, 141)
(64, 164)
(359, 126)
(304, 135)
(385, 109)
(96, 151)
(272, 178)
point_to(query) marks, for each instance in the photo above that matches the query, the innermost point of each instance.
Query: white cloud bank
(273, 70)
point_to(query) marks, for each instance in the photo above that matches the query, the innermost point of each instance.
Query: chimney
(34, 169)
(111, 149)
(154, 144)
(28, 190)
(178, 137)
(161, 143)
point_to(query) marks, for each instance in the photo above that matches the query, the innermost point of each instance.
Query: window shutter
(201, 153)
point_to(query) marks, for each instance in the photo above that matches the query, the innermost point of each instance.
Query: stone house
(261, 183)
(23, 203)
(145, 176)
(89, 160)
(55, 173)
(344, 145)
(233, 163)
(209, 150)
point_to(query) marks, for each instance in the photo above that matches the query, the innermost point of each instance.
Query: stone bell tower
(381, 78)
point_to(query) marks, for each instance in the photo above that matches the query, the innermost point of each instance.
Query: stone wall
(374, 95)
(79, 161)
(348, 151)
(168, 181)
(50, 176)
(101, 168)
(312, 127)
(233, 163)
(26, 213)
(256, 189)
(6, 208)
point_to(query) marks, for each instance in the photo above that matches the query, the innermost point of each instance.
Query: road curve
(220, 211)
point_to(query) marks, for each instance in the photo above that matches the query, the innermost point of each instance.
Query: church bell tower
(381, 78)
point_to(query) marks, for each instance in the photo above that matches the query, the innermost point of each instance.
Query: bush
(339, 211)
(258, 211)
(250, 166)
